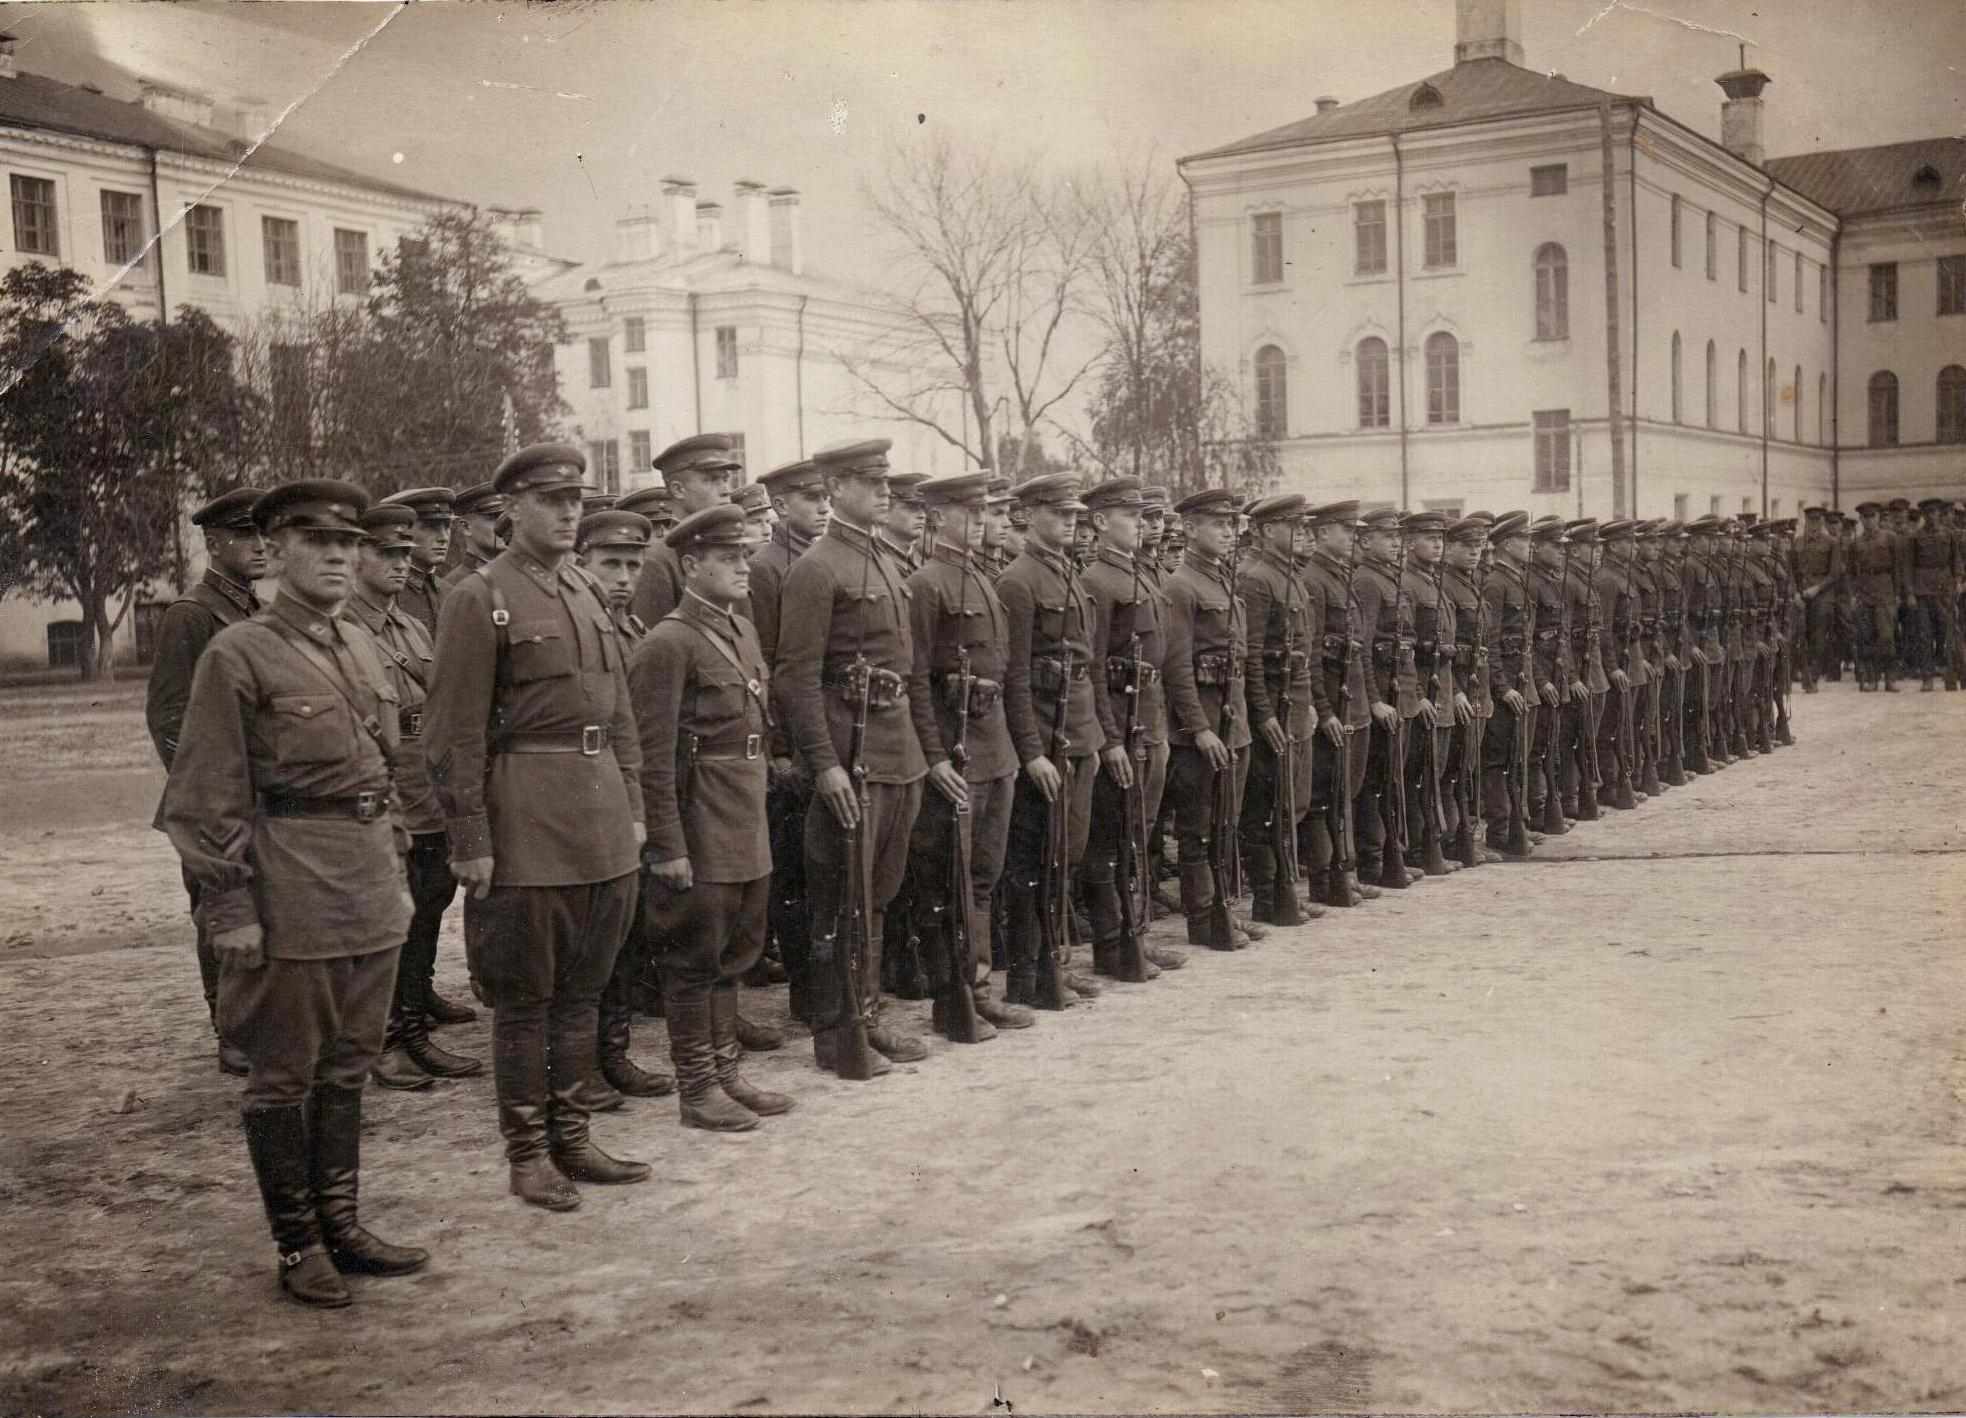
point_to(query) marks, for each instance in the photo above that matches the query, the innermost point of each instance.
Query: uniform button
(306, 711)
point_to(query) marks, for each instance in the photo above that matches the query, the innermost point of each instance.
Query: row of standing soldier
(1884, 592)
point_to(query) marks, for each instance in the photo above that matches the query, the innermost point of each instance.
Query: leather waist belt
(731, 750)
(1464, 657)
(1218, 667)
(410, 721)
(983, 694)
(588, 741)
(363, 807)
(1048, 673)
(884, 688)
(1337, 646)
(1279, 662)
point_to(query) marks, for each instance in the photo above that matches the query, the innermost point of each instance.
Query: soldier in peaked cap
(1337, 749)
(477, 509)
(1934, 572)
(434, 507)
(903, 972)
(1017, 523)
(611, 546)
(235, 558)
(1619, 651)
(699, 471)
(279, 806)
(844, 640)
(701, 694)
(1442, 706)
(1652, 579)
(1208, 721)
(958, 626)
(901, 529)
(597, 502)
(1508, 608)
(1463, 574)
(533, 750)
(1550, 671)
(1282, 696)
(1127, 643)
(410, 1057)
(1393, 693)
(755, 500)
(1587, 615)
(1676, 651)
(1059, 718)
(657, 504)
(1874, 562)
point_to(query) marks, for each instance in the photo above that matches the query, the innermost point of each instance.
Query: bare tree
(1050, 260)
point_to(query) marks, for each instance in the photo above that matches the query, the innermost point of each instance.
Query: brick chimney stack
(1740, 115)
(1487, 29)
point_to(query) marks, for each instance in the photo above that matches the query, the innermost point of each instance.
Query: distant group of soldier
(1884, 593)
(872, 733)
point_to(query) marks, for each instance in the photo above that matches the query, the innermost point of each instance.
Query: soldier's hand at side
(1045, 777)
(1551, 696)
(1463, 710)
(475, 873)
(1621, 679)
(1274, 736)
(1384, 715)
(1119, 765)
(1333, 730)
(1213, 749)
(948, 780)
(242, 946)
(641, 834)
(835, 789)
(1580, 692)
(1518, 706)
(1429, 714)
(673, 874)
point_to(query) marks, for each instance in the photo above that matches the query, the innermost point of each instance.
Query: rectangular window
(1266, 248)
(1551, 180)
(204, 241)
(1369, 222)
(351, 262)
(1441, 248)
(638, 388)
(611, 465)
(641, 452)
(123, 232)
(1770, 254)
(1713, 505)
(1741, 259)
(34, 216)
(281, 238)
(1675, 233)
(1798, 283)
(634, 334)
(1679, 501)
(737, 452)
(1884, 291)
(1952, 285)
(726, 352)
(1552, 450)
(599, 372)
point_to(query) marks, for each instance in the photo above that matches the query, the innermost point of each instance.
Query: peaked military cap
(387, 525)
(798, 476)
(1116, 492)
(1418, 523)
(864, 456)
(1155, 497)
(999, 491)
(1209, 502)
(597, 502)
(656, 503)
(431, 504)
(906, 487)
(724, 525)
(1282, 506)
(478, 498)
(320, 504)
(1509, 524)
(953, 489)
(229, 511)
(1380, 519)
(754, 498)
(1899, 504)
(1815, 511)
(1548, 528)
(612, 527)
(1619, 529)
(542, 467)
(1487, 519)
(1581, 530)
(1059, 490)
(1863, 507)
(1706, 526)
(700, 452)
(1930, 504)
(1342, 513)
(1468, 529)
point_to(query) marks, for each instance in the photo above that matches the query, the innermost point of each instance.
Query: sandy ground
(1667, 1120)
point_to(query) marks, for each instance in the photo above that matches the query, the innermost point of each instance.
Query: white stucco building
(1418, 296)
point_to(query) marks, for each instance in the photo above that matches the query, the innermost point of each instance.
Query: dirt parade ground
(1667, 1119)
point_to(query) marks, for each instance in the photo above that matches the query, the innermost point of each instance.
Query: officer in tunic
(1934, 574)
(1122, 582)
(611, 547)
(1057, 715)
(475, 511)
(1017, 525)
(1818, 561)
(1619, 651)
(1338, 683)
(1208, 720)
(1873, 563)
(279, 806)
(1442, 706)
(410, 1058)
(1393, 690)
(1282, 636)
(955, 620)
(1589, 684)
(843, 604)
(533, 751)
(701, 694)
(1509, 609)
(1153, 531)
(903, 971)
(1674, 650)
(658, 505)
(1550, 668)
(423, 593)
(1463, 572)
(699, 472)
(235, 558)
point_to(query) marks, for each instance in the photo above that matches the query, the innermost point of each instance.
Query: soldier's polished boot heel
(537, 1182)
(575, 1154)
(430, 1056)
(729, 1054)
(704, 1103)
(334, 1178)
(276, 1140)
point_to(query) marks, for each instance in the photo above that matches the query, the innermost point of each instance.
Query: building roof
(1471, 91)
(35, 101)
(1853, 181)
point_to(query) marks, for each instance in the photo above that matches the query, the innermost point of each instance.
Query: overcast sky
(580, 109)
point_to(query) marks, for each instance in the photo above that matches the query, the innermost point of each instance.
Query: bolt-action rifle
(956, 1004)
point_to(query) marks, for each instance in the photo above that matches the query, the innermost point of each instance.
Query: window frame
(1678, 404)
(212, 238)
(1360, 226)
(1713, 247)
(1881, 432)
(1950, 389)
(1270, 378)
(1676, 251)
(600, 362)
(1771, 270)
(1741, 392)
(1951, 276)
(1266, 248)
(1884, 284)
(342, 269)
(1552, 264)
(641, 448)
(1374, 402)
(638, 386)
(1741, 258)
(1551, 455)
(1798, 283)
(1440, 248)
(39, 198)
(634, 334)
(727, 361)
(1443, 380)
(1713, 385)
(280, 256)
(138, 258)
(1540, 174)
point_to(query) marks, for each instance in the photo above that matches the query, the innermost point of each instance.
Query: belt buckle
(413, 723)
(753, 745)
(592, 740)
(367, 806)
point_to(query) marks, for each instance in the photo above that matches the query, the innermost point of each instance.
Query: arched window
(1443, 378)
(1713, 386)
(1884, 409)
(1822, 407)
(1676, 416)
(1952, 404)
(1741, 391)
(1272, 407)
(1374, 396)
(1798, 403)
(1552, 293)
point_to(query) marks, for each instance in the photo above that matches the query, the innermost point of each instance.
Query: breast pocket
(720, 703)
(610, 642)
(539, 650)
(307, 728)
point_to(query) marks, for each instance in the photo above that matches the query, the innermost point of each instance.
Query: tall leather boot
(1260, 867)
(756, 1037)
(1020, 940)
(1197, 899)
(519, 1074)
(692, 1050)
(443, 1011)
(276, 1140)
(729, 1054)
(393, 1067)
(430, 1056)
(623, 1073)
(570, 1061)
(334, 1169)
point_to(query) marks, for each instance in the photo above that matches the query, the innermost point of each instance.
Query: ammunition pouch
(884, 688)
(1218, 667)
(1280, 663)
(1120, 671)
(1048, 674)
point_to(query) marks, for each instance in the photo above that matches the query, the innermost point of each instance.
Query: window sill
(1369, 278)
(1550, 340)
(1265, 287)
(1434, 273)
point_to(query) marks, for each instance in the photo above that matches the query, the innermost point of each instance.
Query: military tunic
(422, 597)
(660, 589)
(1283, 636)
